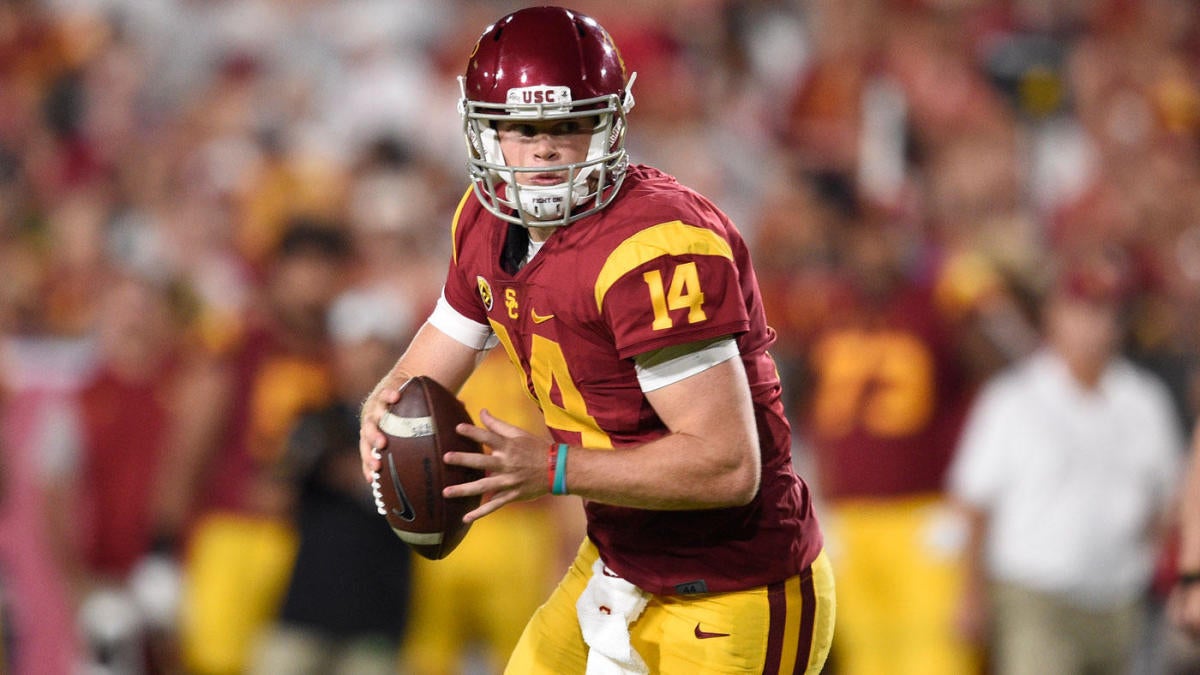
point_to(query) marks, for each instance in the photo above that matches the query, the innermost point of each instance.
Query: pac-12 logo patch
(485, 292)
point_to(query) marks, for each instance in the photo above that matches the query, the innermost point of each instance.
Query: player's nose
(546, 148)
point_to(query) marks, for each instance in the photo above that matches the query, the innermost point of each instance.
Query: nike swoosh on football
(408, 513)
(538, 318)
(704, 635)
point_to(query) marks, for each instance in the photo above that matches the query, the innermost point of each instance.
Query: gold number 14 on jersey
(684, 293)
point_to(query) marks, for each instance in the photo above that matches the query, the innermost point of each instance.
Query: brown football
(408, 488)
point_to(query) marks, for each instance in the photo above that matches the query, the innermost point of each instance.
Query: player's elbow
(739, 481)
(746, 484)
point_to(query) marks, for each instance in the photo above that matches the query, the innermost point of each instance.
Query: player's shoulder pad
(673, 238)
(465, 204)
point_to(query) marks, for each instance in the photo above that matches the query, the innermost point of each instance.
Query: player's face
(534, 143)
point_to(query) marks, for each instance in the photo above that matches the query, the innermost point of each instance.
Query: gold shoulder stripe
(673, 238)
(454, 223)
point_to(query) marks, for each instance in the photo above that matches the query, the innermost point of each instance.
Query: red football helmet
(546, 63)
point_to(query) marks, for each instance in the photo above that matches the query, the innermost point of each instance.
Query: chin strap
(549, 205)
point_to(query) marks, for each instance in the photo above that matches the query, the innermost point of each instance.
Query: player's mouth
(547, 178)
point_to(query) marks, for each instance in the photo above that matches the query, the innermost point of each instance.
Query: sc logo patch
(485, 292)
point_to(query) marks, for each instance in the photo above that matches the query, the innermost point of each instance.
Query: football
(408, 487)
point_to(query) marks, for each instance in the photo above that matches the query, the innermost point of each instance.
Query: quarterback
(629, 305)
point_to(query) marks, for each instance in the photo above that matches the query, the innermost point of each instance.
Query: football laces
(379, 505)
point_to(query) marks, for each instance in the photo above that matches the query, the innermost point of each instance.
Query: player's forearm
(676, 472)
(436, 355)
(711, 458)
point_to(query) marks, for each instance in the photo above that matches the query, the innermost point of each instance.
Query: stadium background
(174, 141)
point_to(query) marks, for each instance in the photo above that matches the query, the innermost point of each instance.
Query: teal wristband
(560, 471)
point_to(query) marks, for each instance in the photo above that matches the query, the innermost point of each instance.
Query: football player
(885, 381)
(629, 304)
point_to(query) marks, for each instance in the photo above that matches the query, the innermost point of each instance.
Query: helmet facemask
(590, 185)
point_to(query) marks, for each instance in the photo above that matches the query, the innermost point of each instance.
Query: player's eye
(523, 130)
(567, 128)
(559, 128)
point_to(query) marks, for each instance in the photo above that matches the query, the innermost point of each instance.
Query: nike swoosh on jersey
(704, 635)
(407, 512)
(539, 318)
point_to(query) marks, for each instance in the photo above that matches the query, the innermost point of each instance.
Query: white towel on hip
(606, 608)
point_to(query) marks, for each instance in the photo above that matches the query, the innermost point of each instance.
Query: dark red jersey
(660, 266)
(888, 395)
(274, 380)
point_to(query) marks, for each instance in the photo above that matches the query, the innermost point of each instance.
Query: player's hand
(370, 438)
(515, 468)
(1184, 609)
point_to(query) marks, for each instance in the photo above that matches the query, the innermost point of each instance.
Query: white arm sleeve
(658, 368)
(471, 333)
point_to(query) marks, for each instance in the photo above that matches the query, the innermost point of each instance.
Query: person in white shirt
(1066, 469)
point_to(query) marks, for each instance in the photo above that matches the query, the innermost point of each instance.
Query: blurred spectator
(281, 185)
(5, 619)
(933, 56)
(215, 488)
(1065, 470)
(42, 377)
(6, 642)
(100, 478)
(822, 116)
(396, 214)
(380, 81)
(347, 602)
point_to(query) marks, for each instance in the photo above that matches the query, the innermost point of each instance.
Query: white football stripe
(419, 538)
(406, 427)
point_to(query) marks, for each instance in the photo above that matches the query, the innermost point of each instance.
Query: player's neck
(541, 233)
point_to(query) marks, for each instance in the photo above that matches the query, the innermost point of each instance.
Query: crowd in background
(164, 162)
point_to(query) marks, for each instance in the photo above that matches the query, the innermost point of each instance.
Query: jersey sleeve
(470, 333)
(666, 366)
(462, 292)
(670, 284)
